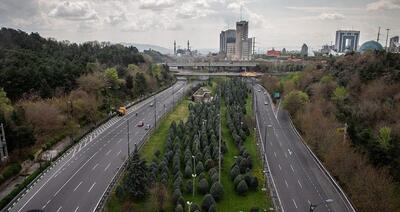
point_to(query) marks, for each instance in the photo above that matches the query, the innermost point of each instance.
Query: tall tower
(242, 32)
(188, 46)
(174, 47)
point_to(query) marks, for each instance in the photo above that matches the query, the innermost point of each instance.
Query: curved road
(78, 180)
(298, 179)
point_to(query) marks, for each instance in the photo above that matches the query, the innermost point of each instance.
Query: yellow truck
(121, 111)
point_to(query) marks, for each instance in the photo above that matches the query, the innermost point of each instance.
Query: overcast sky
(274, 23)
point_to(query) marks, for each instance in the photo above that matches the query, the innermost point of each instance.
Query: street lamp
(312, 207)
(189, 204)
(219, 150)
(194, 179)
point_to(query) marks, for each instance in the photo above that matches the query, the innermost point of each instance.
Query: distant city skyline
(278, 24)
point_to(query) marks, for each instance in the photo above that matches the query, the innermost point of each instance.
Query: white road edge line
(294, 202)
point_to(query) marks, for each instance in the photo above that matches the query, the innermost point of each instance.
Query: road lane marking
(294, 202)
(92, 187)
(119, 152)
(73, 175)
(108, 152)
(287, 185)
(76, 209)
(291, 167)
(107, 166)
(280, 166)
(77, 186)
(59, 209)
(275, 154)
(290, 152)
(119, 141)
(285, 155)
(299, 184)
(94, 167)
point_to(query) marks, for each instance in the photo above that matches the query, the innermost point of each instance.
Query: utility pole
(387, 37)
(155, 111)
(265, 135)
(3, 144)
(379, 34)
(219, 150)
(127, 124)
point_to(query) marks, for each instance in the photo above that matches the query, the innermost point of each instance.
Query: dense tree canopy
(30, 63)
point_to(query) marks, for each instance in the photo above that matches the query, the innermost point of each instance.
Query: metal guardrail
(62, 154)
(106, 194)
(319, 163)
(323, 169)
(270, 179)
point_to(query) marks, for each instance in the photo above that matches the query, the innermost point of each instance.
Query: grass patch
(231, 199)
(158, 138)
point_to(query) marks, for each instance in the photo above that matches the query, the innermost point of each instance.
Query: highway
(78, 180)
(298, 179)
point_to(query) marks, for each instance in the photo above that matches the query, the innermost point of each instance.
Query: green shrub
(242, 188)
(217, 191)
(235, 171)
(9, 171)
(199, 167)
(207, 202)
(179, 208)
(212, 208)
(203, 186)
(238, 179)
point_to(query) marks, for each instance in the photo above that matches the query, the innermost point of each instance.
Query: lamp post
(219, 149)
(155, 111)
(194, 171)
(189, 204)
(312, 206)
(194, 179)
(127, 125)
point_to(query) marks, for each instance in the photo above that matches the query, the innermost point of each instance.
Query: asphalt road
(79, 179)
(298, 179)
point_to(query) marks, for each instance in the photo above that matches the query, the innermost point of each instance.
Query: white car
(265, 103)
(147, 127)
(259, 90)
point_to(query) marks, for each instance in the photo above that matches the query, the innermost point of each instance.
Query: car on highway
(147, 127)
(151, 104)
(259, 90)
(140, 124)
(265, 93)
(265, 103)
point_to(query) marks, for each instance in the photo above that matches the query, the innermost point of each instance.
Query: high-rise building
(394, 45)
(230, 51)
(347, 40)
(242, 33)
(304, 50)
(246, 49)
(225, 37)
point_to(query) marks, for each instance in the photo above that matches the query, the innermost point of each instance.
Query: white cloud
(156, 4)
(384, 5)
(74, 10)
(331, 16)
(151, 23)
(115, 19)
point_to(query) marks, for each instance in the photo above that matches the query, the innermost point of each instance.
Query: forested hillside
(361, 92)
(51, 90)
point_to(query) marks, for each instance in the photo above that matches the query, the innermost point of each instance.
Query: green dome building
(370, 46)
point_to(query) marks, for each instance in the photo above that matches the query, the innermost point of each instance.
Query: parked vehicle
(140, 124)
(148, 126)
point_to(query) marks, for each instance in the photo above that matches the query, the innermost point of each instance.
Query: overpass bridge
(184, 73)
(215, 66)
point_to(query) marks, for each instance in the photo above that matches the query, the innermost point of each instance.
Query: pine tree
(136, 182)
